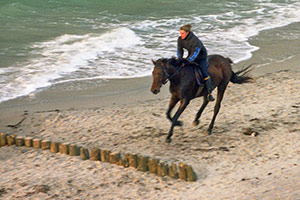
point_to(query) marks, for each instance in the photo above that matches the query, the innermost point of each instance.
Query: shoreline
(230, 164)
(269, 58)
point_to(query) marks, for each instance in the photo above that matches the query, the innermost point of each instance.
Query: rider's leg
(206, 77)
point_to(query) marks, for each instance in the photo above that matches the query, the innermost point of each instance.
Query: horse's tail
(241, 76)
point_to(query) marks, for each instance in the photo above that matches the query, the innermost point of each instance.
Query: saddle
(199, 80)
(198, 75)
(197, 71)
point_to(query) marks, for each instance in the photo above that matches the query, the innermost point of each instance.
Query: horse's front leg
(183, 105)
(173, 101)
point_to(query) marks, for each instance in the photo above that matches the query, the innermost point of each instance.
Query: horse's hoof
(178, 123)
(196, 122)
(168, 140)
(209, 132)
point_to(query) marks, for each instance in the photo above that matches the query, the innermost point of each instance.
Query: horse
(184, 85)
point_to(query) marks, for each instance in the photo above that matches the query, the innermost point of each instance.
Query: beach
(253, 153)
(232, 163)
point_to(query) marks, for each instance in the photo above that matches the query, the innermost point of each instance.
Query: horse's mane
(176, 62)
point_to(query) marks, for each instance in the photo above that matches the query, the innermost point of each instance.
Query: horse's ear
(160, 63)
(154, 63)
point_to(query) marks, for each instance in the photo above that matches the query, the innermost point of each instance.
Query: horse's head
(159, 75)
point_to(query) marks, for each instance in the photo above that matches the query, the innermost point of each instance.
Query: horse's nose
(155, 91)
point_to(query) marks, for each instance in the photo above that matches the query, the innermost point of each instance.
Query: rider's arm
(194, 53)
(179, 49)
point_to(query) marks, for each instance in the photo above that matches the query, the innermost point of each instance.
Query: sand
(230, 164)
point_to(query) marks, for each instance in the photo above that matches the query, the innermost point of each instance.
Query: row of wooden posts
(141, 163)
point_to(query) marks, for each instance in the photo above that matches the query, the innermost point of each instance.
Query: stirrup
(210, 97)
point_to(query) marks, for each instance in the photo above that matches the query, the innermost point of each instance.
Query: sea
(52, 42)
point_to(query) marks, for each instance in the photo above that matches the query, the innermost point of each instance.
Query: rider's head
(185, 30)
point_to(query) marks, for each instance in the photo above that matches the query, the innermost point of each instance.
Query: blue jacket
(194, 46)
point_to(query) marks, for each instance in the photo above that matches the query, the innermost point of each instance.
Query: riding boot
(209, 88)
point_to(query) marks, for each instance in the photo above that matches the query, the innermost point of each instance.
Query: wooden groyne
(139, 162)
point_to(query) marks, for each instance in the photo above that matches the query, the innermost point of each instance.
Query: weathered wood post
(45, 144)
(133, 160)
(95, 154)
(64, 148)
(163, 169)
(11, 140)
(28, 141)
(182, 171)
(153, 165)
(104, 154)
(54, 147)
(173, 171)
(142, 163)
(19, 141)
(125, 160)
(191, 175)
(114, 157)
(3, 140)
(84, 153)
(36, 143)
(73, 150)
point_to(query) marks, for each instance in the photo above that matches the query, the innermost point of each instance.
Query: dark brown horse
(184, 87)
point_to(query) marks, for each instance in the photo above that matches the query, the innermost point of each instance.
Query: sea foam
(64, 55)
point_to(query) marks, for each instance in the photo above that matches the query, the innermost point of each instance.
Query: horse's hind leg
(198, 115)
(221, 91)
(183, 104)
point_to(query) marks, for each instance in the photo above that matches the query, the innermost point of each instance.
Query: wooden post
(163, 169)
(64, 148)
(54, 147)
(114, 157)
(73, 150)
(11, 140)
(142, 163)
(173, 171)
(45, 144)
(191, 175)
(84, 154)
(120, 162)
(182, 171)
(105, 155)
(19, 141)
(133, 160)
(125, 160)
(28, 141)
(95, 154)
(36, 143)
(153, 165)
(3, 140)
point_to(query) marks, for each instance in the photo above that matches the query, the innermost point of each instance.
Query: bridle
(169, 77)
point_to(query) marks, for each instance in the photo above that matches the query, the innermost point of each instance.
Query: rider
(196, 53)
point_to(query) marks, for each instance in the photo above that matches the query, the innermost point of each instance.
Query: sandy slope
(229, 164)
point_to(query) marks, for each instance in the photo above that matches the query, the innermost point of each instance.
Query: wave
(63, 56)
(126, 52)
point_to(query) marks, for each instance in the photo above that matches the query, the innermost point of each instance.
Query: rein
(169, 77)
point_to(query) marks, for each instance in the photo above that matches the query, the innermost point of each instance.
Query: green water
(43, 43)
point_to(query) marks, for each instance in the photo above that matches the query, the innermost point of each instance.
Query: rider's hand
(182, 65)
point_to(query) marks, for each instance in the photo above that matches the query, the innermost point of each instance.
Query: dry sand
(229, 164)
